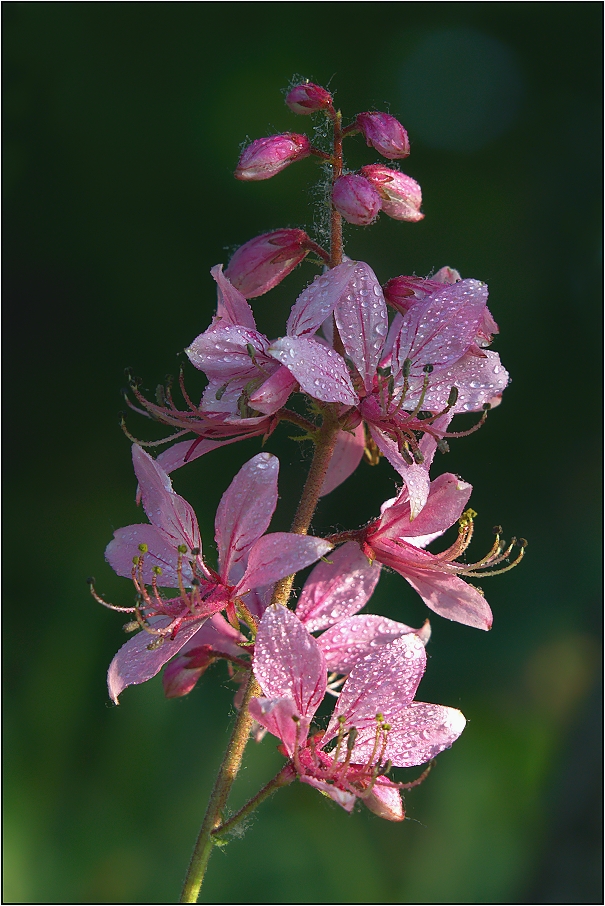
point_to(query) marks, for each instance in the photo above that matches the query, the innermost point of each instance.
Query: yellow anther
(143, 548)
(467, 518)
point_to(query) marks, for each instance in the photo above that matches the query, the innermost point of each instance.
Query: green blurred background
(122, 127)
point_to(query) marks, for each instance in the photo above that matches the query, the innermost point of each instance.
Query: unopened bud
(385, 133)
(356, 199)
(267, 156)
(263, 262)
(447, 275)
(401, 195)
(308, 98)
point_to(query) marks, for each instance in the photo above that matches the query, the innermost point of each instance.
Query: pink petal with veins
(345, 459)
(446, 501)
(337, 589)
(288, 661)
(417, 734)
(317, 301)
(341, 797)
(165, 509)
(135, 664)
(383, 682)
(245, 510)
(273, 394)
(362, 321)
(319, 370)
(439, 330)
(416, 477)
(278, 717)
(354, 638)
(162, 552)
(222, 353)
(450, 597)
(232, 307)
(277, 555)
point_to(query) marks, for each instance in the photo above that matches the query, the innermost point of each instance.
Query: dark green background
(122, 128)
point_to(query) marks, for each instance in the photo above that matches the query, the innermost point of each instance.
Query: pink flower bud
(402, 292)
(385, 133)
(356, 199)
(401, 195)
(307, 98)
(447, 275)
(263, 262)
(267, 156)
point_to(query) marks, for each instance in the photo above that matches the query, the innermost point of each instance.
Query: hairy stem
(285, 776)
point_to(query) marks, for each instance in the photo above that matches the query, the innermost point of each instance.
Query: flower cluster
(383, 369)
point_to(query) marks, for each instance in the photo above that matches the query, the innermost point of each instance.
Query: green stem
(285, 776)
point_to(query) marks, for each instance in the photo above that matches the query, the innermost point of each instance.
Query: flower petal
(135, 663)
(319, 370)
(232, 307)
(274, 392)
(277, 555)
(381, 683)
(161, 552)
(362, 321)
(352, 639)
(165, 509)
(288, 661)
(245, 510)
(317, 301)
(345, 459)
(280, 717)
(450, 597)
(337, 589)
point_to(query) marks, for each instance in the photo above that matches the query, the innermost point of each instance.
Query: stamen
(418, 781)
(425, 386)
(99, 599)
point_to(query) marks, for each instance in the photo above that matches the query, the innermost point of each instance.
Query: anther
(497, 530)
(182, 548)
(130, 627)
(156, 570)
(418, 457)
(384, 372)
(487, 407)
(195, 581)
(143, 548)
(195, 551)
(90, 580)
(156, 643)
(221, 391)
(453, 397)
(351, 738)
(442, 445)
(407, 366)
(427, 369)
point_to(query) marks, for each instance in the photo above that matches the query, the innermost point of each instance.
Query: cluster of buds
(384, 369)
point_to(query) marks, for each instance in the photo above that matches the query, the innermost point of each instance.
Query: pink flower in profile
(384, 133)
(356, 199)
(168, 554)
(261, 263)
(266, 157)
(398, 542)
(308, 98)
(401, 195)
(375, 724)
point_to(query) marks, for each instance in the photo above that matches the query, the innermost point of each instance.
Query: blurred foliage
(122, 123)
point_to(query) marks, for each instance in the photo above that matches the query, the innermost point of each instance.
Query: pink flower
(375, 724)
(168, 553)
(398, 542)
(401, 195)
(356, 199)
(263, 262)
(385, 133)
(308, 98)
(398, 376)
(266, 157)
